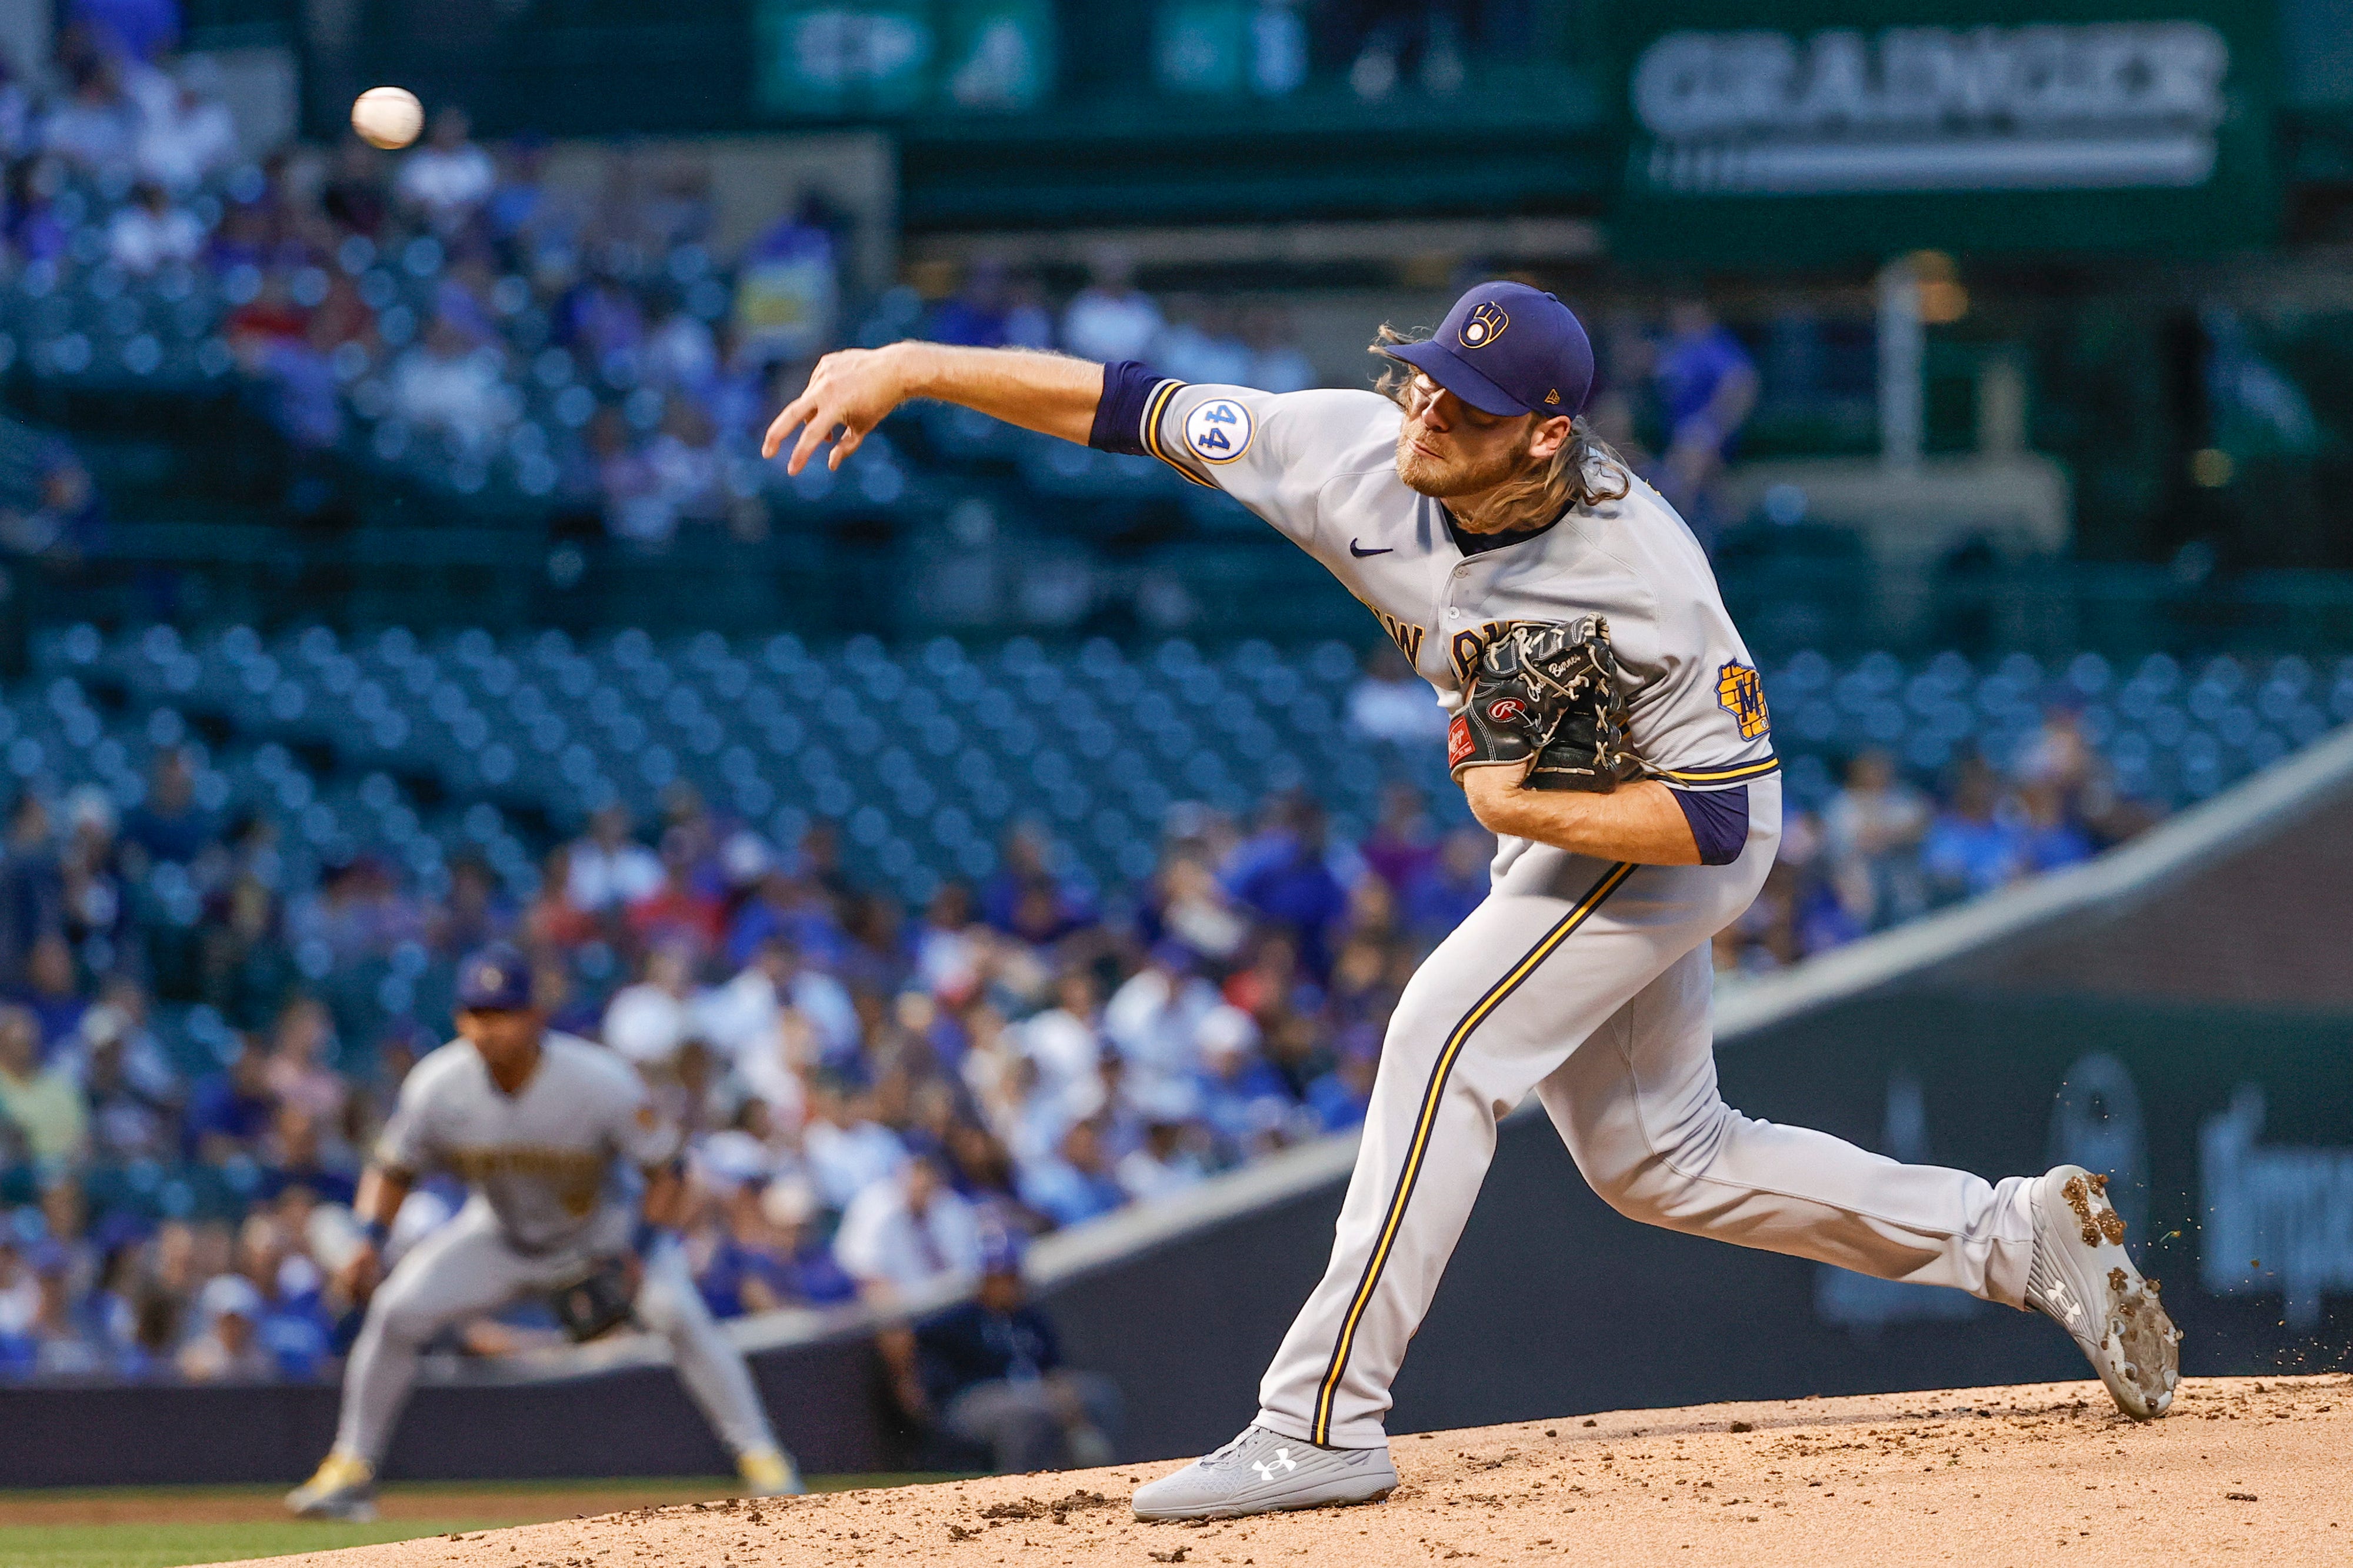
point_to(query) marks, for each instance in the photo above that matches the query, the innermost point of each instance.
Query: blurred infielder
(541, 1126)
(1608, 726)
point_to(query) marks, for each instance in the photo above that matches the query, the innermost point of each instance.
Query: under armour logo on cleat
(2063, 1303)
(1282, 1461)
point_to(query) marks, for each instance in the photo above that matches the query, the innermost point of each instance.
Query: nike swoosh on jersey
(1359, 552)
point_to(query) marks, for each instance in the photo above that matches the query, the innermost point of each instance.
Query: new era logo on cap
(1506, 348)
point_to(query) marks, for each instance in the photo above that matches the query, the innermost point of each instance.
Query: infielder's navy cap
(494, 979)
(1506, 348)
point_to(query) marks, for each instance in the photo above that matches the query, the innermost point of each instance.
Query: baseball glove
(595, 1302)
(1548, 692)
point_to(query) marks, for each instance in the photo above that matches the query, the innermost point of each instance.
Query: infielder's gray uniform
(545, 1165)
(1585, 981)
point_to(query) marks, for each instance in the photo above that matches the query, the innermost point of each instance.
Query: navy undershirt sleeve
(1119, 415)
(1719, 822)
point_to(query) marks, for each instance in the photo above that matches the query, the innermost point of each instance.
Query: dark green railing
(831, 581)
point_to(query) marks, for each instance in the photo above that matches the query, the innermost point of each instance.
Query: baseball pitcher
(1608, 726)
(540, 1126)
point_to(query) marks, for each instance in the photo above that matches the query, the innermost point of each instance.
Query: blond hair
(1578, 475)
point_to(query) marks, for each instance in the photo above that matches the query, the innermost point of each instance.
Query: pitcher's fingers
(852, 439)
(815, 434)
(782, 426)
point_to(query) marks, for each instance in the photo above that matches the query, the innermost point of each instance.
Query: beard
(1460, 475)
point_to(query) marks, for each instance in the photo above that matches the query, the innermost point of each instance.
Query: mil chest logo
(1740, 694)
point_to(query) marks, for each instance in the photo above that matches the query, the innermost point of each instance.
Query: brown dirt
(2243, 1470)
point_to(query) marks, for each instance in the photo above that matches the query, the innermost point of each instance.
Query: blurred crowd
(1110, 319)
(486, 319)
(869, 1093)
(1882, 848)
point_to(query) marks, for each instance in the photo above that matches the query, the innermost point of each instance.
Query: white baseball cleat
(344, 1487)
(1266, 1472)
(2083, 1277)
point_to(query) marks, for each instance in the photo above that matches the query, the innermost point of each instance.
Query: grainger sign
(2090, 106)
(1840, 133)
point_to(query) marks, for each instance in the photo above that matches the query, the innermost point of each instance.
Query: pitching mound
(2244, 1470)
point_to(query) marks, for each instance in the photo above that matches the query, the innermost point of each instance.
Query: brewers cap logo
(1486, 325)
(1740, 694)
(1219, 431)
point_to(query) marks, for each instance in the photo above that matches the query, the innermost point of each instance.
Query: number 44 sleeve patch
(1740, 692)
(1219, 431)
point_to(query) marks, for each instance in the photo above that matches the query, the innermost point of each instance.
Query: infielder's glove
(595, 1302)
(1549, 693)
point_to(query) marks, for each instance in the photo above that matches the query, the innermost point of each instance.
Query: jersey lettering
(1405, 634)
(576, 1174)
(1471, 646)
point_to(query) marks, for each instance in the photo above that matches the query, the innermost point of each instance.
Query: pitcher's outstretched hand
(849, 394)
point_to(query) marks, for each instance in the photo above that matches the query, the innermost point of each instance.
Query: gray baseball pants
(468, 1267)
(1592, 984)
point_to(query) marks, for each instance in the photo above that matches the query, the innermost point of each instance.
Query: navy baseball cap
(494, 979)
(1506, 348)
(1001, 1248)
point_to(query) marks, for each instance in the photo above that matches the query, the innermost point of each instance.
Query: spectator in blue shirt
(1075, 1182)
(1708, 387)
(992, 311)
(993, 1376)
(768, 1257)
(1340, 1096)
(230, 1111)
(1970, 848)
(168, 828)
(1280, 874)
(1440, 894)
(1243, 1099)
(2053, 840)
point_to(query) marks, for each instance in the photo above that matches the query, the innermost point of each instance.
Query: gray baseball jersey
(546, 1158)
(1584, 981)
(547, 1166)
(1322, 468)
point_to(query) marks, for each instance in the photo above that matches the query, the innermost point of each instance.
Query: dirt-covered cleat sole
(342, 1487)
(1265, 1472)
(2084, 1280)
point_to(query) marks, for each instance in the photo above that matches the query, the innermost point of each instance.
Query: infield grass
(165, 1526)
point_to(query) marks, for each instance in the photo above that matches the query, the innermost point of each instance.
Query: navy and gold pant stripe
(1427, 1123)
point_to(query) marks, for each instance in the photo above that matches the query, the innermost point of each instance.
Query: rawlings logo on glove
(1547, 693)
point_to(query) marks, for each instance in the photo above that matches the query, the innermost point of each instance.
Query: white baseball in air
(387, 117)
